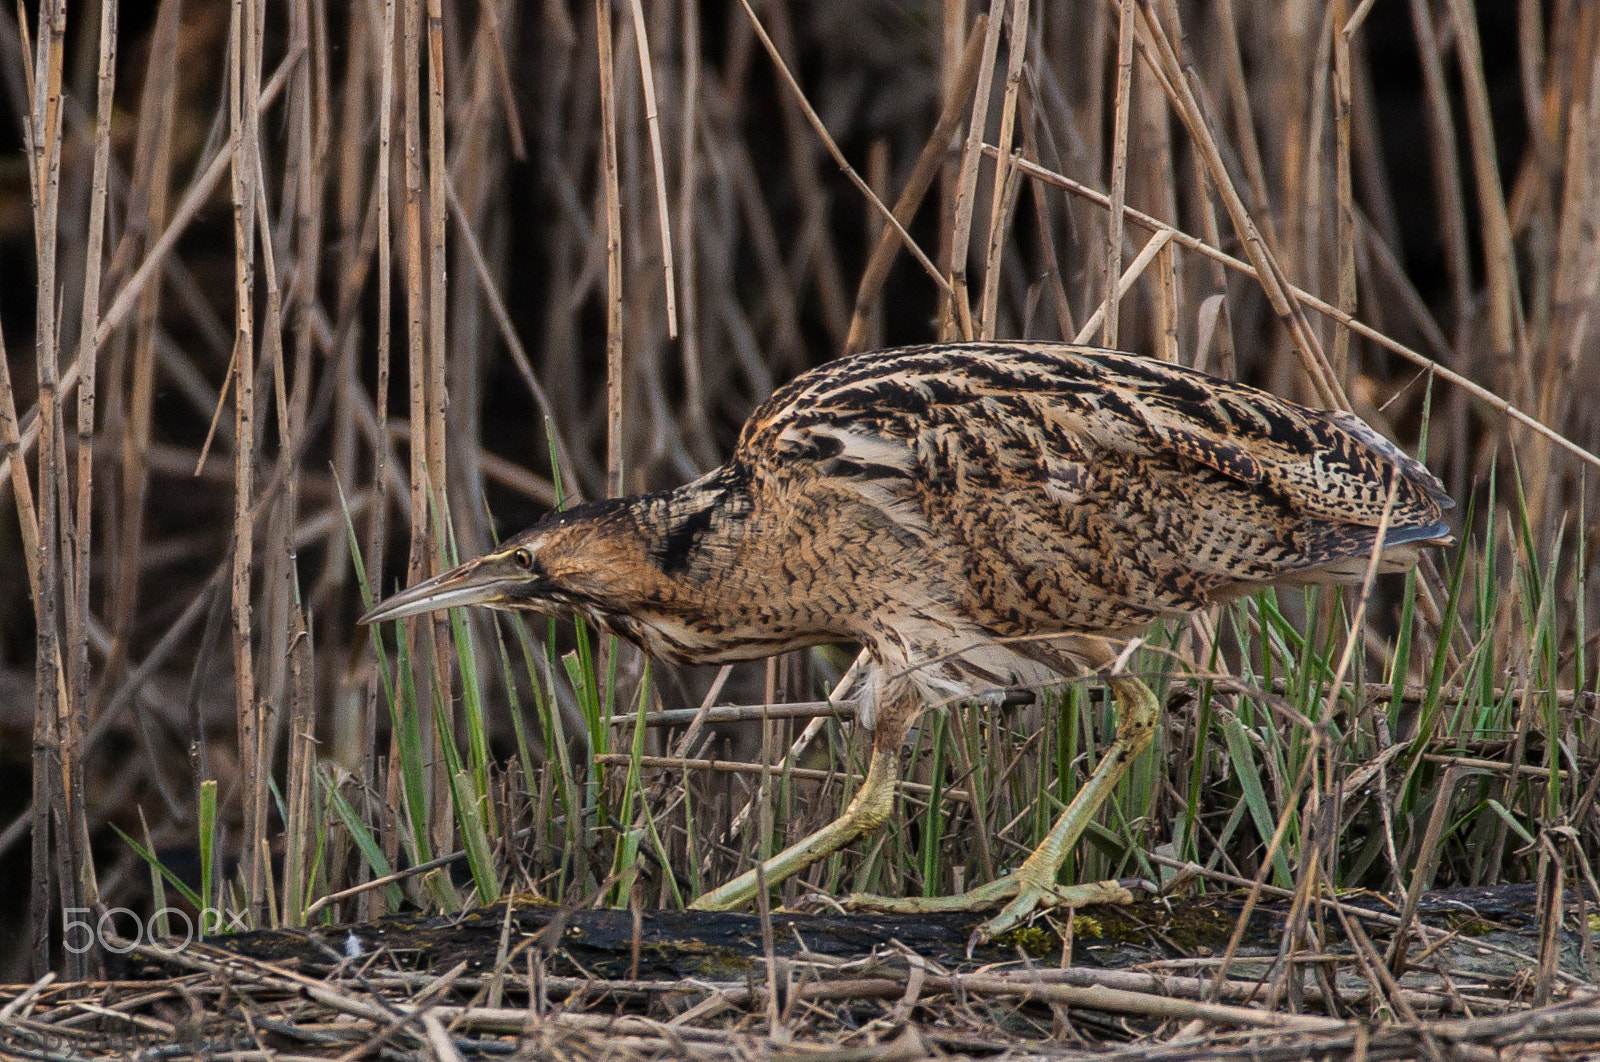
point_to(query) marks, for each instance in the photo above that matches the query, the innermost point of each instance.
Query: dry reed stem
(1444, 159)
(54, 766)
(736, 713)
(244, 123)
(927, 167)
(307, 164)
(1363, 598)
(79, 616)
(175, 637)
(426, 480)
(1498, 257)
(1482, 394)
(509, 336)
(833, 149)
(502, 74)
(1153, 247)
(438, 215)
(616, 379)
(1045, 227)
(1004, 181)
(1163, 986)
(1257, 887)
(1168, 349)
(764, 771)
(806, 737)
(279, 619)
(1309, 880)
(701, 715)
(1422, 874)
(1243, 137)
(1345, 236)
(436, 400)
(1119, 173)
(1268, 271)
(958, 323)
(697, 429)
(16, 464)
(1308, 236)
(377, 537)
(957, 1009)
(385, 1006)
(85, 888)
(652, 118)
(417, 560)
(293, 667)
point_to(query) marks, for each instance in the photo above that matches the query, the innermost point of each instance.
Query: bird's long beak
(478, 582)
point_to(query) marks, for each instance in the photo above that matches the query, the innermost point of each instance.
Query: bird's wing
(1099, 485)
(1329, 464)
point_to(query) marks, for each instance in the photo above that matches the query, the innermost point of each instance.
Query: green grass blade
(368, 845)
(1241, 751)
(158, 868)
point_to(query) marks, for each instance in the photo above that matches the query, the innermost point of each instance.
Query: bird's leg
(867, 811)
(1033, 884)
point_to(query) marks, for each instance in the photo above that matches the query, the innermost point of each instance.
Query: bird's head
(590, 559)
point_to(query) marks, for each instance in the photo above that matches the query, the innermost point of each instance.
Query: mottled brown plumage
(978, 515)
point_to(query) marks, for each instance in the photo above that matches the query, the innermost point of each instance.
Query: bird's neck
(702, 586)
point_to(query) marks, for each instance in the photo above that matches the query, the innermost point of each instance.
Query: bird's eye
(522, 558)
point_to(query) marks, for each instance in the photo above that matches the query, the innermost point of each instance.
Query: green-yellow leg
(1033, 884)
(867, 811)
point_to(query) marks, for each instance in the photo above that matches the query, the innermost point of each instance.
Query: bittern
(979, 516)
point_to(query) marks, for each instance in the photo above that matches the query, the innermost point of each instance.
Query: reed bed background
(325, 295)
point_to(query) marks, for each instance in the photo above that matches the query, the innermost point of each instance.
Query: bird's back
(1038, 488)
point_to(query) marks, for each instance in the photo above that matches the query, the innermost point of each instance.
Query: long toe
(983, 898)
(1033, 896)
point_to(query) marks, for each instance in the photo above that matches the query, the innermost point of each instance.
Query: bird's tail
(1401, 548)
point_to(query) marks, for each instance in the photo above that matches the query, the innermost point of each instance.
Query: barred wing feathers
(1099, 488)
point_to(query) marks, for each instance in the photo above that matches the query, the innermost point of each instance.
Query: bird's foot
(1034, 896)
(1021, 893)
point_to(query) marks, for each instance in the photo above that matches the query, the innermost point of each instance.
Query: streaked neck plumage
(677, 572)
